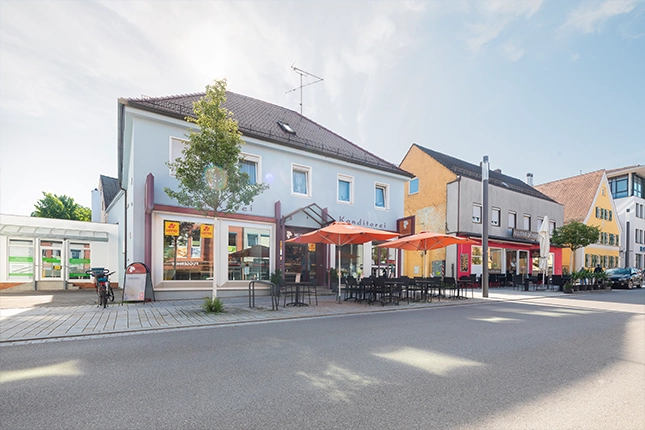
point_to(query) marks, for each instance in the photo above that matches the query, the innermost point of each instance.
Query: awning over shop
(32, 231)
(522, 246)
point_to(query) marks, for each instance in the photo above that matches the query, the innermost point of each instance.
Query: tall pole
(485, 221)
(627, 238)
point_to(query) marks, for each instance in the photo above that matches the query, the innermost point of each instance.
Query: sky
(555, 88)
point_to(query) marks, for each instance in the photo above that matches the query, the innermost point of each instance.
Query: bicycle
(102, 284)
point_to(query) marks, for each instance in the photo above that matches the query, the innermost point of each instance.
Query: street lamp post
(485, 214)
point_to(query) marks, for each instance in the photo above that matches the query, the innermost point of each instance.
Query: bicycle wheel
(111, 294)
(103, 298)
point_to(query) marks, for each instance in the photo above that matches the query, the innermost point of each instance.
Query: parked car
(628, 277)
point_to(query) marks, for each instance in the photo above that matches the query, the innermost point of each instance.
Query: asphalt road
(558, 363)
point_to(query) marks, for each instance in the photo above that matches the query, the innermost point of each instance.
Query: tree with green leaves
(209, 174)
(60, 207)
(575, 235)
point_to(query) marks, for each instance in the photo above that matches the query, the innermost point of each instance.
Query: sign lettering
(171, 228)
(206, 231)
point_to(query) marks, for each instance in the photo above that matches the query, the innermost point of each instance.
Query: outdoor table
(296, 301)
(464, 284)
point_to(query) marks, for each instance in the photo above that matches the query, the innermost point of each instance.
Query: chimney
(529, 179)
(498, 170)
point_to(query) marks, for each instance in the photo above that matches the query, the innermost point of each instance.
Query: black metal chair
(351, 288)
(449, 284)
(308, 288)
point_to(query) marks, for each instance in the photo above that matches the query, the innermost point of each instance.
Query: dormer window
(286, 127)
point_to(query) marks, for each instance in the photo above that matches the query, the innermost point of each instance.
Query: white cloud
(575, 57)
(493, 18)
(590, 18)
(511, 51)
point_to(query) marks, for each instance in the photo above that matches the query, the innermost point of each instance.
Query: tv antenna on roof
(307, 74)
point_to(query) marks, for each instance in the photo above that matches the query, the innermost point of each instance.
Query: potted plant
(600, 278)
(574, 281)
(276, 277)
(568, 287)
(333, 278)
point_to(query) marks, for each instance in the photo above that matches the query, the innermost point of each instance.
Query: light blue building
(314, 177)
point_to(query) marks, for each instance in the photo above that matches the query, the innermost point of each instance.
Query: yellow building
(445, 196)
(587, 199)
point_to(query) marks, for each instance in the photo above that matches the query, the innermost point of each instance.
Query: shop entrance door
(51, 265)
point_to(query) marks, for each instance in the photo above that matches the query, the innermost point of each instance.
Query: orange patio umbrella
(426, 241)
(343, 233)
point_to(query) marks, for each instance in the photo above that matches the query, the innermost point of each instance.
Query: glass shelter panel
(51, 259)
(79, 260)
(20, 260)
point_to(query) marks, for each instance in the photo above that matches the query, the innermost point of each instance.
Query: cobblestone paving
(31, 322)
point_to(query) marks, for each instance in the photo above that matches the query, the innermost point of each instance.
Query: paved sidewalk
(42, 315)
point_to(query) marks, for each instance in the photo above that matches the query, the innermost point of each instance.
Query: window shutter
(597, 212)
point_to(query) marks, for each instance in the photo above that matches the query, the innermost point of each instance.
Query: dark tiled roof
(259, 119)
(110, 188)
(465, 169)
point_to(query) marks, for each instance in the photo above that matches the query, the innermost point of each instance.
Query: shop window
(477, 214)
(248, 253)
(345, 189)
(495, 259)
(381, 196)
(301, 180)
(495, 216)
(476, 255)
(187, 251)
(413, 186)
(20, 260)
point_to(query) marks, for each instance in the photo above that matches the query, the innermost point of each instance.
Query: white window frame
(539, 223)
(526, 216)
(497, 211)
(171, 144)
(477, 213)
(416, 180)
(345, 178)
(258, 165)
(307, 171)
(386, 195)
(512, 215)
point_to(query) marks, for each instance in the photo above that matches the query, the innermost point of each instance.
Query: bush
(213, 305)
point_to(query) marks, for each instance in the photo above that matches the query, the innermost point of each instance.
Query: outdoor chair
(351, 289)
(449, 284)
(308, 288)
